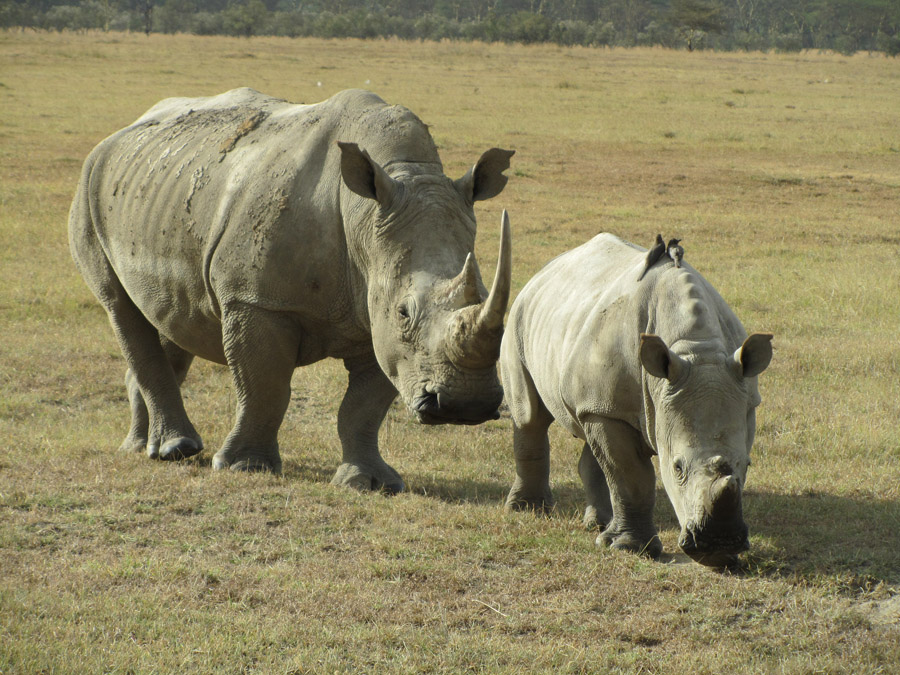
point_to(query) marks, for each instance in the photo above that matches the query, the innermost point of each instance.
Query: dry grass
(779, 172)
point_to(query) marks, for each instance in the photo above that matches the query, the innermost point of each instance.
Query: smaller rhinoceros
(635, 368)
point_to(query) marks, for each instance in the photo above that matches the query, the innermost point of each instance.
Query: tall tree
(147, 10)
(694, 18)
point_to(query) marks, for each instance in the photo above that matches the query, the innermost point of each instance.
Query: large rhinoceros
(267, 235)
(635, 368)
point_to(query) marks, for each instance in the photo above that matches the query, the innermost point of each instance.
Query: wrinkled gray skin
(266, 235)
(634, 369)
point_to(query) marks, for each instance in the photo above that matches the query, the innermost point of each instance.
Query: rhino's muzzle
(714, 543)
(717, 538)
(714, 549)
(435, 408)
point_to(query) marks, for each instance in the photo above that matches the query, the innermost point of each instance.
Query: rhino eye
(678, 468)
(403, 311)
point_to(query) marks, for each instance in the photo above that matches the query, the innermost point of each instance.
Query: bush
(788, 42)
(174, 16)
(63, 17)
(889, 44)
(246, 18)
(17, 14)
(435, 27)
(846, 45)
(208, 23)
(602, 33)
(750, 41)
(288, 24)
(571, 33)
(528, 28)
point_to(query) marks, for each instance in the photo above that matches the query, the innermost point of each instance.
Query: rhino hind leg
(261, 348)
(598, 511)
(139, 433)
(365, 404)
(152, 374)
(631, 478)
(136, 440)
(153, 387)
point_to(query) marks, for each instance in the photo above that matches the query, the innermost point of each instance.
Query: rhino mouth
(714, 547)
(433, 408)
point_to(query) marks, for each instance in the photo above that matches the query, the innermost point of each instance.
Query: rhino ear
(486, 179)
(754, 355)
(658, 360)
(365, 176)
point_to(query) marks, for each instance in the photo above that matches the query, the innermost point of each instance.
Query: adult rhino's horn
(490, 318)
(463, 288)
(477, 330)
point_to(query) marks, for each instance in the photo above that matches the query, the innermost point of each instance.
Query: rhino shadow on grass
(821, 534)
(790, 535)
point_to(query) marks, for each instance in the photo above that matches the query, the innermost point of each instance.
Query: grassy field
(780, 172)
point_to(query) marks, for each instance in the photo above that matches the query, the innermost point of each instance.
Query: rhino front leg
(261, 348)
(598, 512)
(531, 446)
(366, 402)
(624, 459)
(139, 433)
(531, 489)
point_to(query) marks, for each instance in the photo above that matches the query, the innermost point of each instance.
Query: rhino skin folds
(635, 367)
(267, 235)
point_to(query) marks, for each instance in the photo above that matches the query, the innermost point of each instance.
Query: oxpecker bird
(675, 251)
(653, 255)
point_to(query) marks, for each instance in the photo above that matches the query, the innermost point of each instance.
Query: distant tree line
(846, 26)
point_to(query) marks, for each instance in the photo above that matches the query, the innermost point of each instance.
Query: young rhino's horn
(725, 497)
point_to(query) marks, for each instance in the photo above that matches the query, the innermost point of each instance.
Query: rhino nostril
(425, 401)
(686, 541)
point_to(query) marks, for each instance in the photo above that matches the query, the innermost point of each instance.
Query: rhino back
(577, 326)
(236, 198)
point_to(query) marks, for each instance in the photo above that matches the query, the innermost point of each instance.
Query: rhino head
(705, 420)
(436, 330)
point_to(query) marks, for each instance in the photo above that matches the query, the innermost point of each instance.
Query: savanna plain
(781, 173)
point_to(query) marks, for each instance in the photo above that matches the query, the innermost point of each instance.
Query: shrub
(889, 44)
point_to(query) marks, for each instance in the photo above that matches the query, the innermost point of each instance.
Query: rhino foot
(174, 449)
(383, 479)
(519, 500)
(133, 445)
(594, 519)
(646, 545)
(248, 462)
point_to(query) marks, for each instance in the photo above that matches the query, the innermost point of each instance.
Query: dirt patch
(246, 127)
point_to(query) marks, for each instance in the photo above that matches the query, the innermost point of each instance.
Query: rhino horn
(725, 497)
(477, 330)
(490, 318)
(463, 288)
